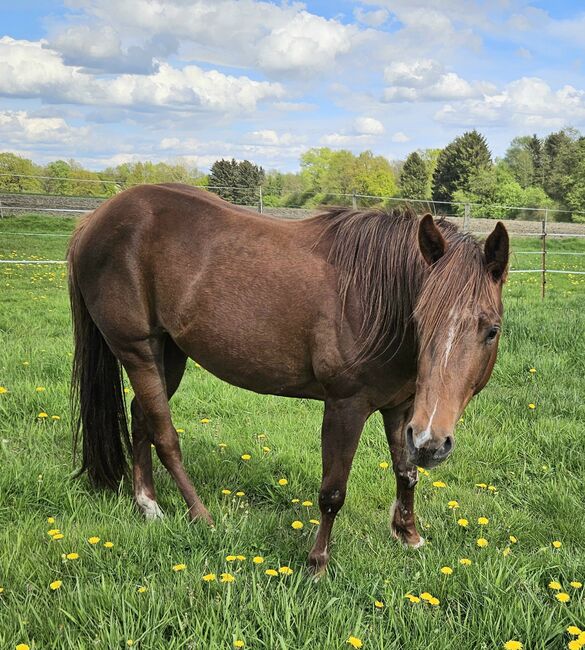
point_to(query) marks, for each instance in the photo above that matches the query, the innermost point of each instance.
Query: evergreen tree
(414, 178)
(235, 181)
(458, 163)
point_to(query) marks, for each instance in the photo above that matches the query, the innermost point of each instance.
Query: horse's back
(228, 285)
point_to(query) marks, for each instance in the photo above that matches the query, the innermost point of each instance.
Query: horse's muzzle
(424, 450)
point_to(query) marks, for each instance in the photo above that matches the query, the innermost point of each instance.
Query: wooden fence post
(543, 286)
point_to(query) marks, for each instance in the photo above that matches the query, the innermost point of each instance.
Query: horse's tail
(97, 396)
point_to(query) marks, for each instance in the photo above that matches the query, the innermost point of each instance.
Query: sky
(112, 81)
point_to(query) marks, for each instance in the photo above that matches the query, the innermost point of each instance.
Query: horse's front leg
(343, 422)
(402, 520)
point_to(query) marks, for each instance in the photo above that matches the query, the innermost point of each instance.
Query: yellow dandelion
(483, 521)
(22, 646)
(439, 484)
(108, 544)
(446, 570)
(297, 525)
(384, 465)
(180, 430)
(307, 503)
(576, 584)
(258, 559)
(53, 531)
(240, 558)
(285, 570)
(315, 522)
(226, 492)
(3, 390)
(506, 551)
(230, 558)
(492, 488)
(226, 577)
(573, 630)
(271, 572)
(465, 561)
(435, 602)
(575, 644)
(1, 590)
(266, 449)
(283, 481)
(127, 391)
(50, 520)
(57, 537)
(56, 584)
(240, 493)
(483, 486)
(553, 584)
(557, 544)
(513, 539)
(513, 645)
(532, 406)
(532, 370)
(55, 417)
(426, 595)
(245, 457)
(354, 642)
(563, 597)
(130, 643)
(453, 505)
(238, 643)
(222, 445)
(205, 420)
(378, 604)
(40, 389)
(482, 542)
(42, 415)
(179, 567)
(413, 599)
(142, 589)
(463, 522)
(72, 556)
(209, 577)
(93, 540)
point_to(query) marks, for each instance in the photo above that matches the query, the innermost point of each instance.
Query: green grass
(535, 459)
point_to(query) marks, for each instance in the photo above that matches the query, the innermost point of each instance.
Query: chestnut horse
(366, 311)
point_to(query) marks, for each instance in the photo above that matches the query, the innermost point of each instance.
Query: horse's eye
(493, 332)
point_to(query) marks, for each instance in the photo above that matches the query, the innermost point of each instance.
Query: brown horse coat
(325, 308)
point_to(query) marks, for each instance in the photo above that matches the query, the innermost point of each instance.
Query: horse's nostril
(445, 449)
(410, 439)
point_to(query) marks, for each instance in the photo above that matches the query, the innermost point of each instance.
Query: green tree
(520, 160)
(17, 174)
(235, 181)
(458, 163)
(562, 156)
(373, 176)
(414, 178)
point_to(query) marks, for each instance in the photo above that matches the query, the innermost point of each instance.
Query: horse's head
(458, 317)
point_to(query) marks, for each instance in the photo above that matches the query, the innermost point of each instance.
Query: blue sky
(110, 81)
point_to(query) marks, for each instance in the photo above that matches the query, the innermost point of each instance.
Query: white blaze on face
(424, 436)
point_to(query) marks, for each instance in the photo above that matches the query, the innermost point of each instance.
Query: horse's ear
(497, 252)
(430, 241)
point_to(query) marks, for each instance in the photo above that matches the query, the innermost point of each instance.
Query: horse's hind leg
(144, 362)
(142, 437)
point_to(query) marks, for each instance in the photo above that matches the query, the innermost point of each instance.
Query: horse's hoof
(318, 566)
(149, 507)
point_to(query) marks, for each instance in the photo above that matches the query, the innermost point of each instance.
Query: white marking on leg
(149, 507)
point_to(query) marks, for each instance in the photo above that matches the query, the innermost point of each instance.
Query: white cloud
(19, 127)
(400, 137)
(527, 102)
(27, 69)
(367, 126)
(373, 18)
(272, 138)
(424, 80)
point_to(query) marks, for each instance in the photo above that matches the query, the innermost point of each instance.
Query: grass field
(129, 594)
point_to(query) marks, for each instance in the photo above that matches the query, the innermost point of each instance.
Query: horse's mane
(376, 253)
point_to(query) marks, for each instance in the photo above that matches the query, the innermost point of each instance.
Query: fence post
(353, 200)
(261, 204)
(466, 217)
(1, 213)
(543, 258)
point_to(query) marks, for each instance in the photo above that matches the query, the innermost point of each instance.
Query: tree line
(535, 172)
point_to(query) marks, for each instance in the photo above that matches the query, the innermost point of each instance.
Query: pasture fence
(522, 221)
